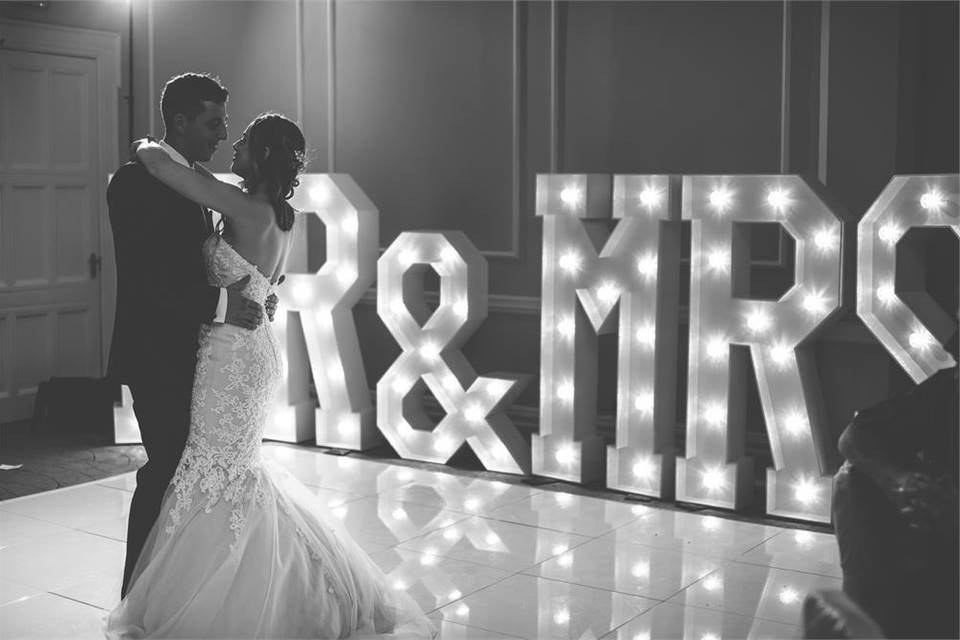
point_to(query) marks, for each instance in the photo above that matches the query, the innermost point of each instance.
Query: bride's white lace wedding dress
(241, 549)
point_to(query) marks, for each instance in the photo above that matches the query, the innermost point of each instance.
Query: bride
(240, 548)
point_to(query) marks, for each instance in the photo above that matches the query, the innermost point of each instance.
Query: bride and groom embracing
(221, 543)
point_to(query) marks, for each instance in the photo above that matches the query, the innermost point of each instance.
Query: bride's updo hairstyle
(277, 149)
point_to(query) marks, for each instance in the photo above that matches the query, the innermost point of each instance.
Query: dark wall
(444, 112)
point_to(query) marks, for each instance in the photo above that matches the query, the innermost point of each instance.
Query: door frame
(103, 47)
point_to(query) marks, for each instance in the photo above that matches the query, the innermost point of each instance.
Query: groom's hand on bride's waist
(270, 306)
(241, 311)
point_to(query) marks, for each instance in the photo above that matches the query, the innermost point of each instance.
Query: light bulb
(644, 469)
(886, 294)
(717, 348)
(825, 240)
(720, 199)
(346, 275)
(569, 261)
(780, 353)
(715, 414)
(473, 413)
(814, 303)
(647, 335)
(407, 257)
(933, 201)
(429, 351)
(643, 402)
(921, 339)
(565, 391)
(889, 233)
(718, 261)
(647, 265)
(713, 479)
(350, 224)
(608, 292)
(795, 423)
(779, 199)
(567, 327)
(566, 454)
(758, 321)
(346, 427)
(650, 198)
(571, 196)
(448, 254)
(806, 491)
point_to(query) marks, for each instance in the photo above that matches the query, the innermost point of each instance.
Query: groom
(162, 293)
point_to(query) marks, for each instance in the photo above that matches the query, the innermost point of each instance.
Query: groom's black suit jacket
(162, 293)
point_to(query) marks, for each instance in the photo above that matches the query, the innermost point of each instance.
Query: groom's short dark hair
(186, 94)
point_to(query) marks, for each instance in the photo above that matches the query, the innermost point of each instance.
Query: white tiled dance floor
(486, 559)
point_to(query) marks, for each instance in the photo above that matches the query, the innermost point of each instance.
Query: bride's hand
(144, 148)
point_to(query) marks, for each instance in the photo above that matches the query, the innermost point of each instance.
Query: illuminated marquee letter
(316, 307)
(715, 470)
(907, 202)
(431, 342)
(637, 267)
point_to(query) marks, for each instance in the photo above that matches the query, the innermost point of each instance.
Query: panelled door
(49, 224)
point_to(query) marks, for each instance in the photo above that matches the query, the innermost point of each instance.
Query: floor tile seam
(3, 503)
(586, 586)
(471, 593)
(593, 586)
(788, 569)
(765, 541)
(99, 535)
(722, 612)
(60, 595)
(533, 526)
(21, 584)
(16, 513)
(122, 490)
(538, 526)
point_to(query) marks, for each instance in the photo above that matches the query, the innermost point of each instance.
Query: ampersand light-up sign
(316, 308)
(474, 405)
(637, 267)
(907, 202)
(715, 470)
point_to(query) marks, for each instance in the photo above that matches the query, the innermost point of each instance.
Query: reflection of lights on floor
(788, 595)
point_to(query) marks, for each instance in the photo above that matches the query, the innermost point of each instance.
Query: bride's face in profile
(242, 165)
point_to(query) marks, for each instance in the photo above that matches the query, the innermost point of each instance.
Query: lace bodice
(225, 266)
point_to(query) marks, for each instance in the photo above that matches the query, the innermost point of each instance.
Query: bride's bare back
(262, 245)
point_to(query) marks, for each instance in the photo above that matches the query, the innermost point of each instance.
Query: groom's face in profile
(202, 134)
